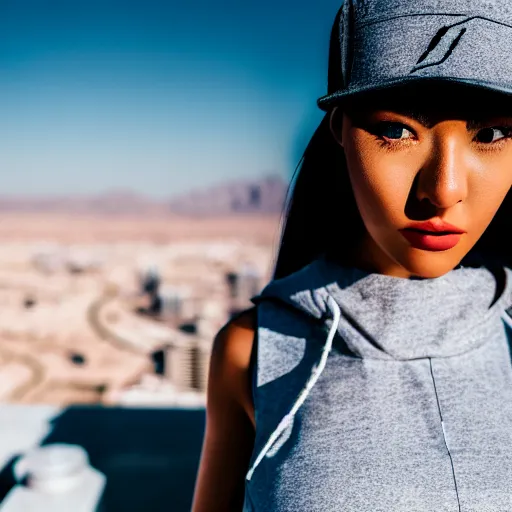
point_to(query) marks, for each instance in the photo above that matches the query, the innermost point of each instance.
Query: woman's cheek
(381, 189)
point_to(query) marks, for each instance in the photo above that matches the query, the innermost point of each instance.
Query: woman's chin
(429, 264)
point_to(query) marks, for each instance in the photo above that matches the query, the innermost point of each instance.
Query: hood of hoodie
(386, 317)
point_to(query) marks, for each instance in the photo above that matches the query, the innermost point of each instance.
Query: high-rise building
(243, 284)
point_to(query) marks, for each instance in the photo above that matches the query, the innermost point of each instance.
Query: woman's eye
(394, 131)
(490, 135)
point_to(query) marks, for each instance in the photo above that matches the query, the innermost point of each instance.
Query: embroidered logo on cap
(446, 39)
(441, 46)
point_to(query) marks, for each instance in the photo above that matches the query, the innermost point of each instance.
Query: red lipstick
(432, 235)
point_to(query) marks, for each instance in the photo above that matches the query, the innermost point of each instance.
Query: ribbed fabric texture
(413, 410)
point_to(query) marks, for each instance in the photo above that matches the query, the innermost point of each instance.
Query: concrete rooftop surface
(149, 457)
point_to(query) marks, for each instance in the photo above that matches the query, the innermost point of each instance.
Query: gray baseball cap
(378, 44)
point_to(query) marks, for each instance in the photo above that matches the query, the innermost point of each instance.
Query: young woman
(374, 372)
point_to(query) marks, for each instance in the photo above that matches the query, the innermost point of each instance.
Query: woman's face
(428, 176)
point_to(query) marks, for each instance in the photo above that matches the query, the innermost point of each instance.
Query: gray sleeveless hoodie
(374, 393)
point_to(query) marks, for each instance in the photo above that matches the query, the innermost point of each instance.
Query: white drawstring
(315, 375)
(507, 319)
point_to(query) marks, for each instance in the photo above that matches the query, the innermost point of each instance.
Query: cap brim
(331, 100)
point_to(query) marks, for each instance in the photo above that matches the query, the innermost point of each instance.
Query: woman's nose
(443, 179)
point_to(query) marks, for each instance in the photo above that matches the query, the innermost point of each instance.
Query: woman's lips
(433, 235)
(429, 241)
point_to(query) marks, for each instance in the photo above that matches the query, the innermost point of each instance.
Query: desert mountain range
(265, 196)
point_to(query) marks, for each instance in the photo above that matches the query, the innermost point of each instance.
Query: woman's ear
(336, 125)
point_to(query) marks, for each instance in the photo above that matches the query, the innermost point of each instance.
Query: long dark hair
(320, 201)
(320, 205)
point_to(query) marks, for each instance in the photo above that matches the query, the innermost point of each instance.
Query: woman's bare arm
(229, 436)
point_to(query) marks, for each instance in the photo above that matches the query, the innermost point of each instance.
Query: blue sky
(156, 96)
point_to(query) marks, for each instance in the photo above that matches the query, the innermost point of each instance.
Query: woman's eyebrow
(420, 117)
(473, 124)
(417, 115)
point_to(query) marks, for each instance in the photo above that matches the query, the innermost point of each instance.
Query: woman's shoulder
(233, 343)
(230, 366)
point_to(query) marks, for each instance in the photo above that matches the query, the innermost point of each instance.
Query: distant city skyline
(157, 97)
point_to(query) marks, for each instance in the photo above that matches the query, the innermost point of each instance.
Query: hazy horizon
(153, 97)
(198, 187)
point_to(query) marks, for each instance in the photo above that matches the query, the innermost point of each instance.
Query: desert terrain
(120, 308)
